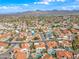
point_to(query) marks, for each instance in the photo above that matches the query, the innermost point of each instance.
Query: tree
(75, 44)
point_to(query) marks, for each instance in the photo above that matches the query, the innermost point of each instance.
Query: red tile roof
(52, 44)
(67, 54)
(3, 44)
(25, 45)
(19, 54)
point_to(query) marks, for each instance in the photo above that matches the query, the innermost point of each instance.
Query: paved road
(6, 55)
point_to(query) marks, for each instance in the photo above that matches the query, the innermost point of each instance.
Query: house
(64, 54)
(25, 47)
(40, 46)
(37, 37)
(21, 34)
(5, 35)
(19, 54)
(46, 56)
(2, 46)
(52, 44)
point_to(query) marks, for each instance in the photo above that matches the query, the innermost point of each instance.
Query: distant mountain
(48, 12)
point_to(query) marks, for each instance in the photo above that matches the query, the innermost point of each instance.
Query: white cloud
(72, 7)
(66, 8)
(25, 4)
(60, 0)
(48, 1)
(10, 7)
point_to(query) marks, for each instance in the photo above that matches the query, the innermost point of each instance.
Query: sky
(14, 6)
